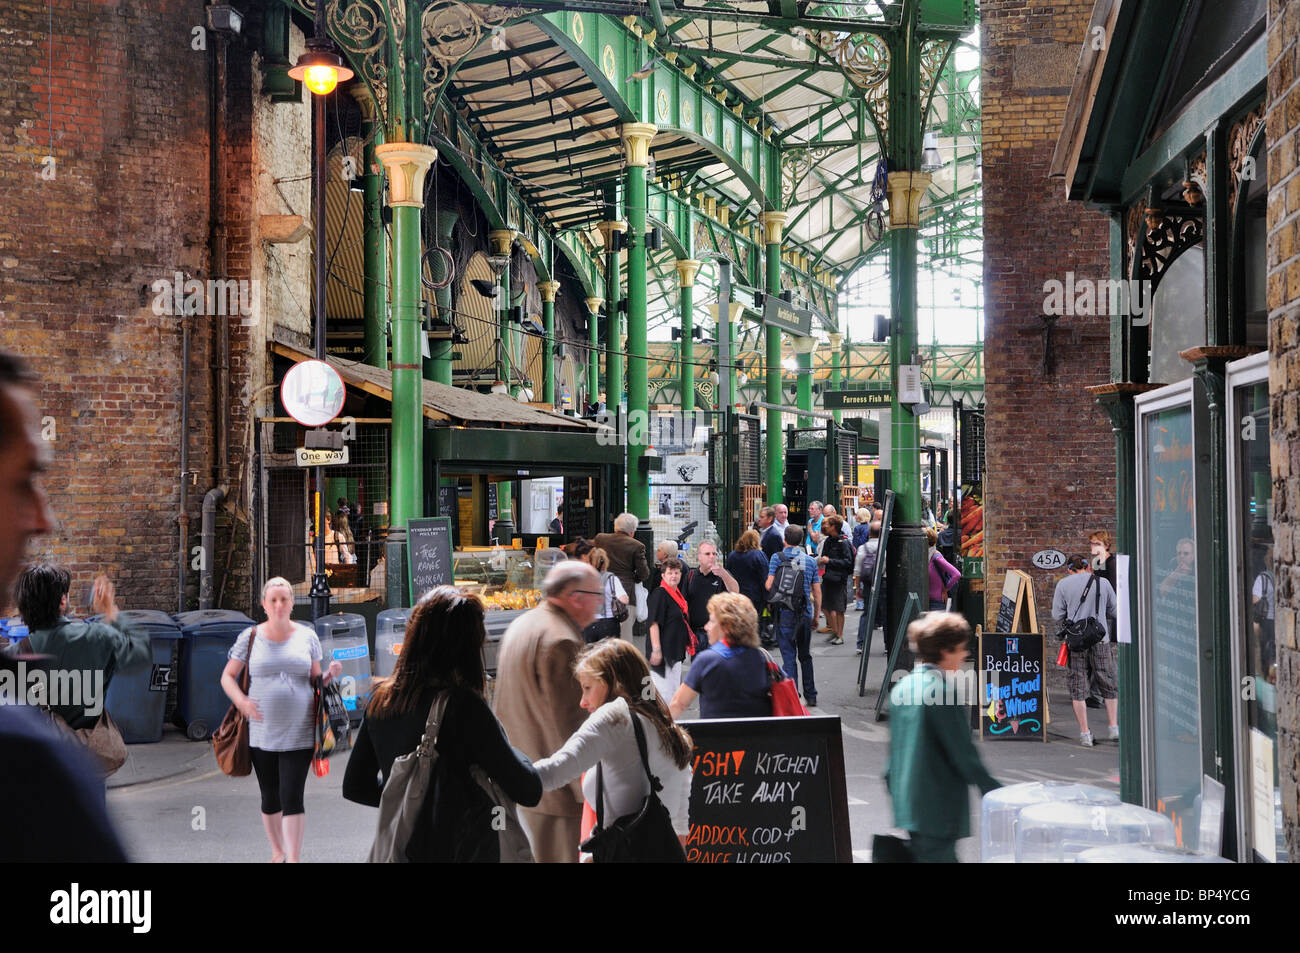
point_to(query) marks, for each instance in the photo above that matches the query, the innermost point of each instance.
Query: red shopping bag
(785, 696)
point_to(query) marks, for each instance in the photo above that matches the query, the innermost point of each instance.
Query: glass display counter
(509, 581)
(506, 579)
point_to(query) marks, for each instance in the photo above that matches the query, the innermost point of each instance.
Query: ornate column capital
(773, 223)
(406, 163)
(636, 142)
(687, 269)
(803, 345)
(607, 230)
(361, 94)
(501, 240)
(836, 340)
(549, 290)
(905, 192)
(594, 303)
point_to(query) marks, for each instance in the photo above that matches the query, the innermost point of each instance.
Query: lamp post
(320, 69)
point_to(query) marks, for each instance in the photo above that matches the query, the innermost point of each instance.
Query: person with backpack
(794, 593)
(864, 577)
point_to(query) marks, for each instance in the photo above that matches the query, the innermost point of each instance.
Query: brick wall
(1284, 385)
(128, 205)
(125, 108)
(1050, 451)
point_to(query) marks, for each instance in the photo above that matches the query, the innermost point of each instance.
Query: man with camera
(1082, 602)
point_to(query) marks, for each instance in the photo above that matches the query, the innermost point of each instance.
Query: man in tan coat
(626, 561)
(537, 696)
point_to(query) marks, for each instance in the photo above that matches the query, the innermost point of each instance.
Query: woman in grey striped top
(280, 708)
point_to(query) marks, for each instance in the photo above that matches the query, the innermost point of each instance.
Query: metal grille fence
(288, 505)
(683, 498)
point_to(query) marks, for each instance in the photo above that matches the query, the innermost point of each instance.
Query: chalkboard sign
(578, 516)
(492, 501)
(768, 791)
(1013, 696)
(1016, 611)
(428, 551)
(447, 501)
(1009, 606)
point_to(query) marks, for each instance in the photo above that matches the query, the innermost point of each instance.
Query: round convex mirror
(312, 393)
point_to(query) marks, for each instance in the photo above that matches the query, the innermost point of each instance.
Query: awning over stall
(455, 405)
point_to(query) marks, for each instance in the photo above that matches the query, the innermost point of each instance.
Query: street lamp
(321, 69)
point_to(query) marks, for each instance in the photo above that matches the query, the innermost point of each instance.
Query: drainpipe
(183, 517)
(221, 390)
(208, 542)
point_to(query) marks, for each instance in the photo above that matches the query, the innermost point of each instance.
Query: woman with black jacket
(836, 561)
(442, 652)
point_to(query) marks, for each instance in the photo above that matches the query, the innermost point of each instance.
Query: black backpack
(787, 585)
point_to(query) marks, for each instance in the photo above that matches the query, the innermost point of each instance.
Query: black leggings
(282, 776)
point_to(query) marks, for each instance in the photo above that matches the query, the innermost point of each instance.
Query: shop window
(1178, 316)
(1254, 610)
(1169, 639)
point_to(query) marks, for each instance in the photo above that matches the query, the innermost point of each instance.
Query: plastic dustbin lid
(150, 619)
(340, 623)
(203, 618)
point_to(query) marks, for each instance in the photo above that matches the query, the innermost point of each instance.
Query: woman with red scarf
(671, 638)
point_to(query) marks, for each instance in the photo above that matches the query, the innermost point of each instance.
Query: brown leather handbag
(230, 740)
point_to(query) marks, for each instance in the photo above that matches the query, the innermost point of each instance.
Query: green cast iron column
(906, 562)
(614, 317)
(836, 377)
(687, 268)
(406, 164)
(374, 264)
(438, 366)
(1218, 741)
(772, 223)
(501, 241)
(548, 290)
(593, 349)
(636, 145)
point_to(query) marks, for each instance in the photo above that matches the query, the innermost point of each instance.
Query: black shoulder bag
(1082, 634)
(646, 837)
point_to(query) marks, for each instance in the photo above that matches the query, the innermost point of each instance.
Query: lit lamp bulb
(321, 80)
(321, 68)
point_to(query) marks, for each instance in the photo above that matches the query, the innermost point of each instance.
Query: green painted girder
(609, 52)
(535, 73)
(784, 136)
(582, 88)
(939, 17)
(500, 200)
(498, 132)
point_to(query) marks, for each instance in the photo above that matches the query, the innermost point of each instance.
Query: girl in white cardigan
(615, 680)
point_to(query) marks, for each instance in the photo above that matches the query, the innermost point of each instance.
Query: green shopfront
(1165, 135)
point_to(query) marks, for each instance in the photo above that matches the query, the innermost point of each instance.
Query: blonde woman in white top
(615, 680)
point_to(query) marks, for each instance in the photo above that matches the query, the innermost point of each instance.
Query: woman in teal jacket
(931, 756)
